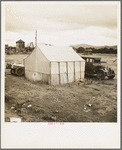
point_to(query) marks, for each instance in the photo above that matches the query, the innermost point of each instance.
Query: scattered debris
(89, 105)
(12, 107)
(56, 111)
(88, 110)
(85, 108)
(24, 105)
(29, 105)
(61, 105)
(16, 120)
(53, 118)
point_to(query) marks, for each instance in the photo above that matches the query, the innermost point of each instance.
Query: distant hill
(91, 46)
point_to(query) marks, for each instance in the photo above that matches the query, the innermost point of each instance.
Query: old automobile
(93, 67)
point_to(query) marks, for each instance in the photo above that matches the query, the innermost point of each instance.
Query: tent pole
(67, 71)
(59, 72)
(80, 70)
(50, 73)
(74, 70)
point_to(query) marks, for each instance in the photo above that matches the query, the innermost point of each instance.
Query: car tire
(19, 71)
(100, 75)
(12, 71)
(111, 77)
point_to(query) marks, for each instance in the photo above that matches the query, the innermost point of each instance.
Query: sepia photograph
(61, 62)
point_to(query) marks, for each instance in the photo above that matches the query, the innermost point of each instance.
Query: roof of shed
(20, 41)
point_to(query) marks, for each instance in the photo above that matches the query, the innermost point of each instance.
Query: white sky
(61, 23)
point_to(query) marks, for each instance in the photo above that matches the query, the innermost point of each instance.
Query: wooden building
(6, 48)
(20, 46)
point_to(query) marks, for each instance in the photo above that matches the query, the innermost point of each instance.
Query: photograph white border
(69, 135)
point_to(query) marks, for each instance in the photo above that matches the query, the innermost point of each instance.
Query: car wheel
(100, 75)
(12, 71)
(111, 77)
(19, 71)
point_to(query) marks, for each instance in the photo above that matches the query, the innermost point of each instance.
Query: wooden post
(59, 72)
(35, 38)
(80, 70)
(67, 71)
(74, 70)
(50, 73)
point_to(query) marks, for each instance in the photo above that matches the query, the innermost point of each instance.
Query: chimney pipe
(35, 38)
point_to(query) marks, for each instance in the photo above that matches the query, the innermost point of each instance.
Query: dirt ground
(88, 101)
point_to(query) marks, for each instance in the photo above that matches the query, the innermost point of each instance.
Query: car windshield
(92, 60)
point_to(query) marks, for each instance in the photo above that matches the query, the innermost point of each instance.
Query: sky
(61, 23)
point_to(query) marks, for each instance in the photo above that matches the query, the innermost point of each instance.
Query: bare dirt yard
(88, 101)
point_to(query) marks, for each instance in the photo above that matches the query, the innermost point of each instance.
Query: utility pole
(35, 38)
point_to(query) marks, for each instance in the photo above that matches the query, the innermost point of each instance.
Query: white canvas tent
(54, 65)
